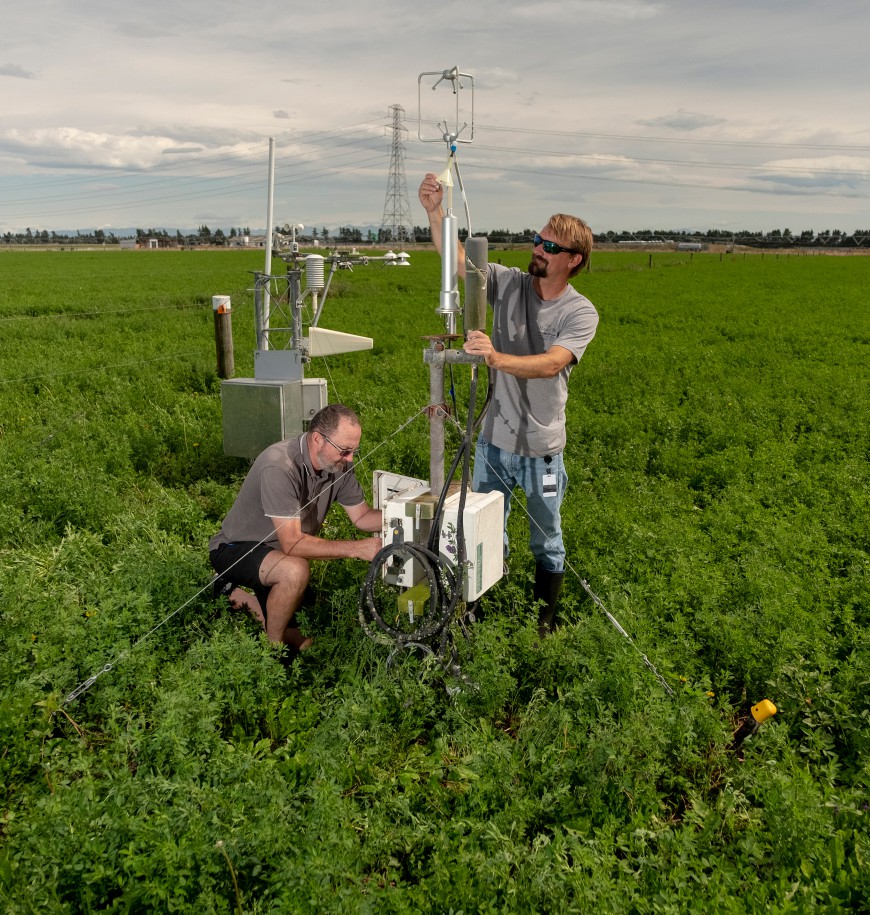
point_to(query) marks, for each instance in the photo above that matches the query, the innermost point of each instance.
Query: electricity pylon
(396, 224)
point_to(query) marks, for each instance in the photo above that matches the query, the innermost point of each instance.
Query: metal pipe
(267, 305)
(476, 257)
(259, 325)
(294, 285)
(436, 417)
(437, 357)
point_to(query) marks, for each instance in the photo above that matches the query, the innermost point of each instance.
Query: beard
(336, 466)
(537, 267)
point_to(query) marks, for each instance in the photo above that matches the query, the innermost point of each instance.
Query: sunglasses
(551, 247)
(342, 452)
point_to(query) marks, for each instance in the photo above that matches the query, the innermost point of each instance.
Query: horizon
(132, 232)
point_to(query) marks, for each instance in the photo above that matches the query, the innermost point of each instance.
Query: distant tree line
(44, 237)
(204, 236)
(777, 238)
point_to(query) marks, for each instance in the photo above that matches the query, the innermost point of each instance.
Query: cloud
(15, 71)
(495, 77)
(682, 120)
(609, 11)
(281, 113)
(70, 148)
(824, 173)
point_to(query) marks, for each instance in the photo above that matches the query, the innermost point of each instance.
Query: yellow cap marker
(758, 714)
(764, 710)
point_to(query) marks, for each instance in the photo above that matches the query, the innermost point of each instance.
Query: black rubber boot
(547, 587)
(473, 612)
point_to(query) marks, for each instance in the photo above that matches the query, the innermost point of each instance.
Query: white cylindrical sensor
(314, 271)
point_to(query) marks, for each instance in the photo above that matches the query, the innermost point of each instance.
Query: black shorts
(239, 564)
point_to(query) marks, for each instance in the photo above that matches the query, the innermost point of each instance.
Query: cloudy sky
(633, 114)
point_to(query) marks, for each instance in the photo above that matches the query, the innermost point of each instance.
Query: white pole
(267, 306)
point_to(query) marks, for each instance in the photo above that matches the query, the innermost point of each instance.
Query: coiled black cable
(442, 586)
(445, 579)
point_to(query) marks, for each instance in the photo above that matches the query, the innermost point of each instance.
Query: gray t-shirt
(282, 483)
(527, 415)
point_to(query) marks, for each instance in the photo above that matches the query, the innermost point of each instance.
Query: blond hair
(576, 235)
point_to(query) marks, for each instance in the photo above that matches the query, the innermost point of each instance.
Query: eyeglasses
(342, 452)
(551, 247)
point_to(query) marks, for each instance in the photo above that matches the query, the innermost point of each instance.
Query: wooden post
(223, 335)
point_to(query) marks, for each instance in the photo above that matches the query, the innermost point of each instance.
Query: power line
(779, 190)
(640, 138)
(253, 152)
(683, 163)
(350, 150)
(212, 175)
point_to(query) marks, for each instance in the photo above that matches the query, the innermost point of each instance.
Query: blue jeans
(496, 470)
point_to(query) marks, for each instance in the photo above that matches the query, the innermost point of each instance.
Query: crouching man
(271, 533)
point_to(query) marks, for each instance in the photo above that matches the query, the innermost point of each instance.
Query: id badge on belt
(549, 485)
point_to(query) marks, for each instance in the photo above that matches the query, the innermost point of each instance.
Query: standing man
(271, 532)
(540, 329)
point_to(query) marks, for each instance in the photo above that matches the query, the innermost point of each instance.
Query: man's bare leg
(287, 576)
(240, 599)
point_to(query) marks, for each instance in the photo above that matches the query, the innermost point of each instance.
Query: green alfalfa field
(719, 439)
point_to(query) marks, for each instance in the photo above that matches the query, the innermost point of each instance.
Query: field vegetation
(719, 504)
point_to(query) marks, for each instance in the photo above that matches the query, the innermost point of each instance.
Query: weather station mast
(443, 543)
(279, 401)
(439, 354)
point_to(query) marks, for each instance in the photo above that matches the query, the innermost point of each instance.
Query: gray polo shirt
(527, 415)
(282, 483)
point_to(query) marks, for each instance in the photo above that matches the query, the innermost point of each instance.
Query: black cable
(486, 402)
(441, 584)
(445, 583)
(461, 558)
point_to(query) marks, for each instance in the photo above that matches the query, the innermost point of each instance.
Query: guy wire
(596, 600)
(89, 682)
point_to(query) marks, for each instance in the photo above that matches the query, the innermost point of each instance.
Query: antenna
(397, 210)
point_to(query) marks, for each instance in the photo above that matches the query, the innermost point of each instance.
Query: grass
(718, 458)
